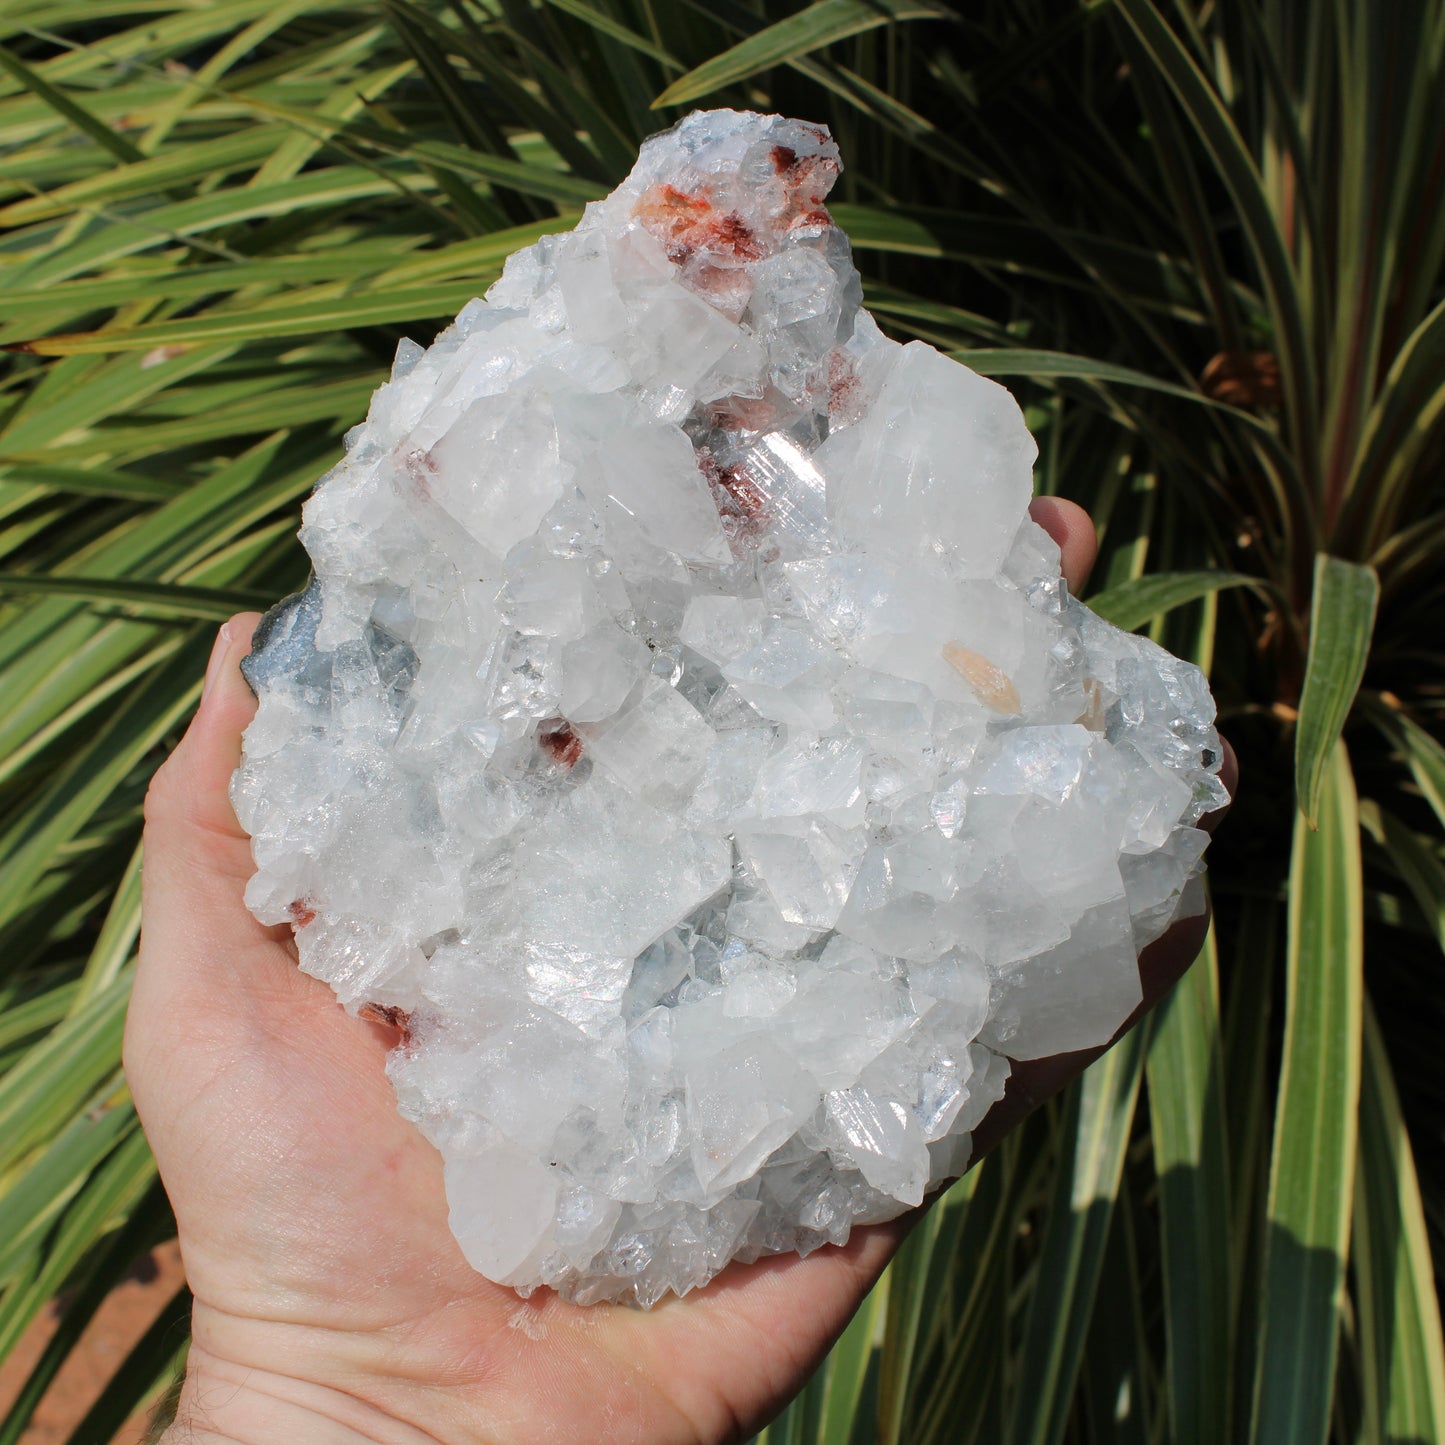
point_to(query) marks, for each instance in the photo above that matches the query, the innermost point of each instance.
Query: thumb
(192, 839)
(197, 934)
(209, 976)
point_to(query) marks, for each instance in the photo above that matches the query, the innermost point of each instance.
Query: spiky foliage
(1207, 243)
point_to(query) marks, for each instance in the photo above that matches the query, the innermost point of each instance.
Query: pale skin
(331, 1302)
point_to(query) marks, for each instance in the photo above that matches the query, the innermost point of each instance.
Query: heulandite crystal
(688, 738)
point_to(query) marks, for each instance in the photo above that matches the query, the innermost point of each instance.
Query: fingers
(1070, 526)
(197, 859)
(210, 977)
(188, 807)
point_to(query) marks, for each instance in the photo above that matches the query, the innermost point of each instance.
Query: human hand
(331, 1301)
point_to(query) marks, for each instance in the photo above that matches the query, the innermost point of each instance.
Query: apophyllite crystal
(687, 739)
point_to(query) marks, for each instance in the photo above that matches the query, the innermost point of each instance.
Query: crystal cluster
(688, 743)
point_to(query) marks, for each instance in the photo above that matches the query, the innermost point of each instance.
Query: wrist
(222, 1403)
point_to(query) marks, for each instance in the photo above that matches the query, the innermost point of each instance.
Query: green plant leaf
(1191, 1156)
(1423, 754)
(1014, 361)
(147, 175)
(63, 105)
(187, 221)
(1312, 1169)
(911, 1277)
(841, 1380)
(294, 319)
(106, 1195)
(79, 1233)
(1417, 863)
(1216, 129)
(143, 279)
(166, 599)
(1116, 1379)
(81, 394)
(20, 1022)
(40, 1095)
(1342, 625)
(822, 23)
(1403, 423)
(1076, 1236)
(115, 943)
(964, 1398)
(1402, 1355)
(1250, 1029)
(155, 1361)
(1139, 600)
(614, 30)
(94, 771)
(99, 482)
(42, 1191)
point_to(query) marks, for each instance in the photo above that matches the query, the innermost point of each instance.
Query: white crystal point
(688, 740)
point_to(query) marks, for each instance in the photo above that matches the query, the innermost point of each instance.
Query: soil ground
(117, 1325)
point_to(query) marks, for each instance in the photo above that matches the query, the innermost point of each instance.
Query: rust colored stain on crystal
(808, 179)
(844, 388)
(732, 234)
(667, 206)
(687, 221)
(558, 739)
(301, 913)
(388, 1016)
(739, 499)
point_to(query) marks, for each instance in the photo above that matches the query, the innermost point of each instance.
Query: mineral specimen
(688, 739)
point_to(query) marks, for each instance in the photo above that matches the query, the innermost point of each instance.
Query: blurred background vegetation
(1205, 242)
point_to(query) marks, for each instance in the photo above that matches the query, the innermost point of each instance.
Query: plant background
(1206, 245)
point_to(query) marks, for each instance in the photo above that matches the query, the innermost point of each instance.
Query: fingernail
(218, 655)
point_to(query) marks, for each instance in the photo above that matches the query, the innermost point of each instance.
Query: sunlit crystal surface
(688, 735)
